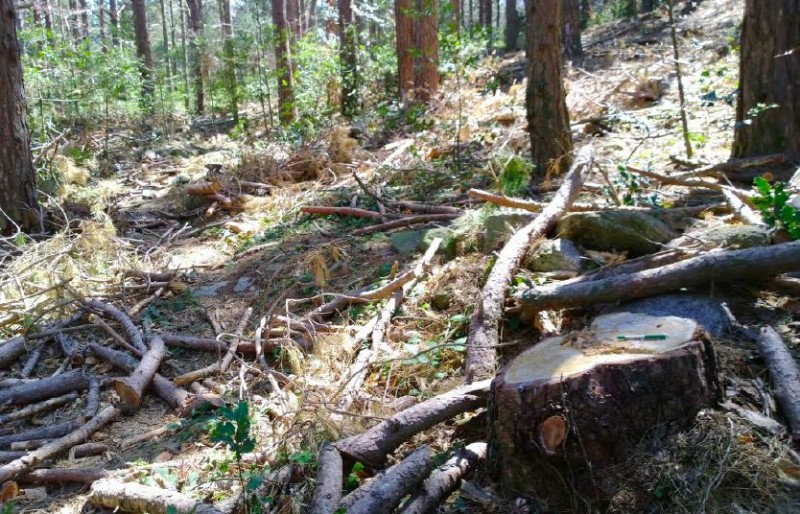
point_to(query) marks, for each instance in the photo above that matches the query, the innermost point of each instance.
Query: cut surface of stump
(571, 406)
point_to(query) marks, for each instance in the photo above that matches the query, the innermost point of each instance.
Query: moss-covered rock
(553, 255)
(631, 231)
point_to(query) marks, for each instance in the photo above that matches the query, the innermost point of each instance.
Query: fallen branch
(386, 489)
(341, 211)
(404, 222)
(59, 446)
(328, 490)
(11, 350)
(43, 432)
(56, 476)
(723, 266)
(425, 208)
(130, 388)
(485, 321)
(32, 360)
(110, 493)
(37, 408)
(209, 344)
(674, 181)
(42, 388)
(134, 336)
(741, 210)
(77, 452)
(444, 480)
(740, 170)
(785, 377)
(534, 206)
(374, 446)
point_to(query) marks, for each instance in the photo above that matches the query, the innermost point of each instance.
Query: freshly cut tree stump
(569, 407)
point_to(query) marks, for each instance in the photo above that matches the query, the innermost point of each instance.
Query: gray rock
(499, 227)
(553, 255)
(411, 241)
(407, 241)
(724, 236)
(704, 310)
(630, 231)
(210, 290)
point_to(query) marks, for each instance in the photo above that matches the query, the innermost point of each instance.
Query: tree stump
(569, 407)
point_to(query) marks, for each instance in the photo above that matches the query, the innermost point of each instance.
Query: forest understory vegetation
(214, 233)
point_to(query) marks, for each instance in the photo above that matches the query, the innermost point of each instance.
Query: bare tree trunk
(72, 21)
(512, 26)
(113, 17)
(143, 50)
(485, 14)
(347, 57)
(230, 57)
(101, 17)
(48, 19)
(165, 37)
(427, 79)
(404, 25)
(548, 119)
(195, 8)
(586, 13)
(571, 30)
(17, 176)
(184, 56)
(769, 95)
(84, 20)
(287, 112)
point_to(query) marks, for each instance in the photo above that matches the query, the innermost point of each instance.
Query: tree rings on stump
(569, 407)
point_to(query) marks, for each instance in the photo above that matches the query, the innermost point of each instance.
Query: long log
(386, 489)
(78, 452)
(206, 344)
(176, 397)
(374, 446)
(444, 480)
(49, 387)
(11, 350)
(725, 266)
(110, 493)
(54, 476)
(130, 388)
(485, 321)
(59, 446)
(328, 490)
(785, 376)
(43, 432)
(133, 333)
(36, 408)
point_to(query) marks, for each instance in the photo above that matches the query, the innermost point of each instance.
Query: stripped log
(49, 387)
(59, 446)
(723, 266)
(742, 210)
(386, 489)
(37, 408)
(178, 398)
(110, 493)
(485, 321)
(328, 490)
(11, 350)
(130, 389)
(444, 480)
(785, 377)
(374, 446)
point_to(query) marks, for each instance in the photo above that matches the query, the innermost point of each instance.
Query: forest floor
(149, 206)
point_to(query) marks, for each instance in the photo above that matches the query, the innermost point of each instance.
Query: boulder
(553, 255)
(724, 236)
(631, 231)
(499, 227)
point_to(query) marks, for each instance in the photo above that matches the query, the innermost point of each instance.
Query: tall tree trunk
(165, 37)
(312, 14)
(74, 26)
(548, 119)
(184, 56)
(101, 18)
(287, 112)
(17, 176)
(143, 50)
(404, 25)
(485, 14)
(426, 82)
(347, 57)
(48, 19)
(455, 7)
(767, 119)
(586, 13)
(195, 44)
(230, 57)
(84, 20)
(113, 17)
(512, 26)
(571, 31)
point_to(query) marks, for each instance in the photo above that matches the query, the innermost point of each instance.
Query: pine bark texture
(195, 9)
(548, 119)
(283, 57)
(230, 57)
(113, 17)
(17, 175)
(767, 119)
(143, 49)
(512, 26)
(404, 26)
(571, 30)
(427, 79)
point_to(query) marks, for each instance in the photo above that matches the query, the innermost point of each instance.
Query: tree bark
(426, 82)
(485, 321)
(404, 26)
(18, 201)
(347, 57)
(575, 405)
(165, 39)
(769, 96)
(287, 111)
(444, 480)
(785, 377)
(328, 489)
(143, 51)
(113, 17)
(548, 119)
(11, 350)
(111, 493)
(512, 26)
(376, 444)
(571, 29)
(230, 58)
(195, 9)
(130, 389)
(36, 408)
(84, 20)
(43, 388)
(727, 266)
